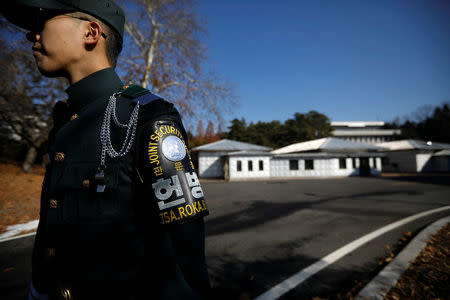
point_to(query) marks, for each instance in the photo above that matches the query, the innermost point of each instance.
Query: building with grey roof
(415, 156)
(326, 157)
(328, 144)
(226, 145)
(219, 159)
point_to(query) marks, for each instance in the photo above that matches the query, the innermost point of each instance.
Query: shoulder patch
(168, 170)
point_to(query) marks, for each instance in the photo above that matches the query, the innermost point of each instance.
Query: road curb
(380, 285)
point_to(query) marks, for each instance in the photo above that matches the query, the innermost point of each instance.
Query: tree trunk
(27, 165)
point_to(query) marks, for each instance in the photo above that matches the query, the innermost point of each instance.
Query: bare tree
(164, 53)
(26, 97)
(200, 129)
(210, 134)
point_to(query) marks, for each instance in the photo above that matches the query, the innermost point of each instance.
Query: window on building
(375, 163)
(342, 163)
(354, 162)
(385, 161)
(250, 165)
(309, 164)
(293, 164)
(239, 166)
(261, 165)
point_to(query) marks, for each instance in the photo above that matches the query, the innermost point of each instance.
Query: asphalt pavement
(260, 233)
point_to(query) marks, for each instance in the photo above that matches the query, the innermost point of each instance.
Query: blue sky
(351, 60)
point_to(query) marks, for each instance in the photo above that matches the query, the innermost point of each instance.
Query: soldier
(121, 207)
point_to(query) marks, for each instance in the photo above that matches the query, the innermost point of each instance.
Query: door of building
(225, 167)
(364, 167)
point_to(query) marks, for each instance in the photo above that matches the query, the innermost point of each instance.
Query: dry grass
(428, 275)
(19, 194)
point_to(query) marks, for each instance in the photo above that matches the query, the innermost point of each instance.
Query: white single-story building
(327, 157)
(323, 157)
(214, 158)
(248, 164)
(415, 156)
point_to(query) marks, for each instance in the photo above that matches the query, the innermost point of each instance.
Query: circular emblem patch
(173, 148)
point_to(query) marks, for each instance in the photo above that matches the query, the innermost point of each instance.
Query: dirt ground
(19, 194)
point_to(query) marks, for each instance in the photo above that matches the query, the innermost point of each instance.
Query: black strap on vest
(139, 94)
(146, 98)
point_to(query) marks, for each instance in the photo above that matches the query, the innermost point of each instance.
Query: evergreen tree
(238, 130)
(435, 127)
(302, 127)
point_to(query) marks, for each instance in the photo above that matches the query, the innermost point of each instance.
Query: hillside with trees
(274, 134)
(433, 126)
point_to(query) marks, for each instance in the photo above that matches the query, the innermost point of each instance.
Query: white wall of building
(423, 162)
(367, 139)
(321, 167)
(375, 166)
(411, 161)
(245, 172)
(210, 165)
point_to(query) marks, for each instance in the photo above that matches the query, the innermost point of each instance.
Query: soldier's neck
(86, 68)
(101, 84)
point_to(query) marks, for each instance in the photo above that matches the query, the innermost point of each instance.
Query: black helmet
(25, 13)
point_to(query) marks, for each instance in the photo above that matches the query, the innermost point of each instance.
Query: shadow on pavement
(232, 278)
(236, 279)
(15, 268)
(260, 212)
(432, 178)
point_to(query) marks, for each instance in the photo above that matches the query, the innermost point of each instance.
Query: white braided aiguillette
(105, 132)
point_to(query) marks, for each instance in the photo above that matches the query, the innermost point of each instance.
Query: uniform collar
(100, 84)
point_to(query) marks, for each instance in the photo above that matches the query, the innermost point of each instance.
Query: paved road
(260, 233)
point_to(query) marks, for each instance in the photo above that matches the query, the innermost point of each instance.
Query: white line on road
(13, 230)
(293, 281)
(17, 237)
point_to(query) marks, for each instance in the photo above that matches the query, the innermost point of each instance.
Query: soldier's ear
(93, 33)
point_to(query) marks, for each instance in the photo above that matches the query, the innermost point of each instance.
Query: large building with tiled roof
(365, 132)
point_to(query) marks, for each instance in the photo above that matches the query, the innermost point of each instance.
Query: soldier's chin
(49, 72)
